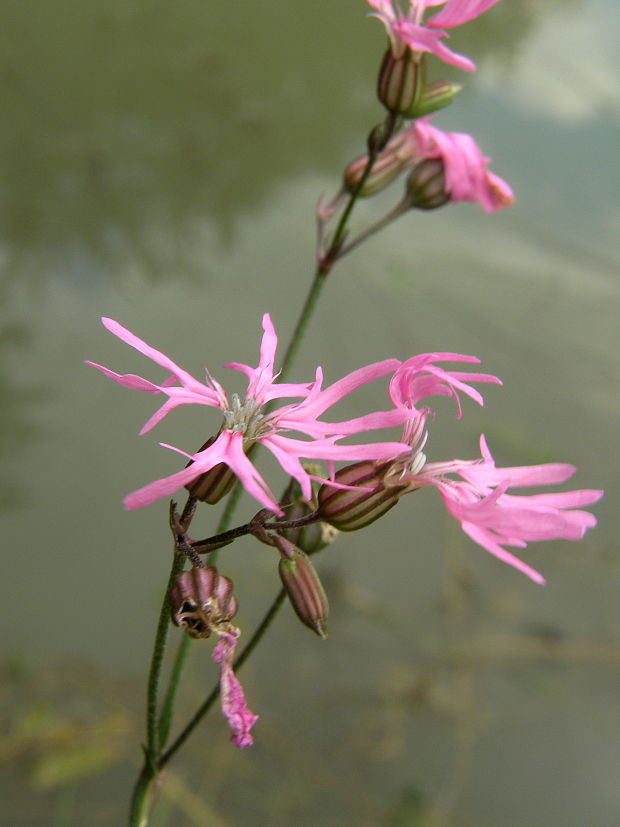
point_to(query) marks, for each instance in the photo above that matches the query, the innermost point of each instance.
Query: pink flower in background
(479, 500)
(245, 421)
(407, 31)
(465, 167)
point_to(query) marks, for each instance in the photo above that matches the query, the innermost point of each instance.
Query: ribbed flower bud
(211, 486)
(302, 585)
(391, 162)
(426, 185)
(201, 600)
(401, 81)
(368, 498)
(436, 96)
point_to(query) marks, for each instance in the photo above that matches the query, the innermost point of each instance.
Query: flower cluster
(441, 166)
(475, 492)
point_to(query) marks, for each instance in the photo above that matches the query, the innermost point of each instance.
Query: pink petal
(263, 375)
(232, 699)
(128, 380)
(319, 403)
(156, 355)
(484, 539)
(163, 487)
(326, 449)
(456, 12)
(421, 39)
(227, 448)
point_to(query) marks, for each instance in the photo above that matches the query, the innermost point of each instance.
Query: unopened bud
(215, 483)
(303, 587)
(367, 498)
(201, 600)
(436, 96)
(401, 81)
(390, 163)
(426, 185)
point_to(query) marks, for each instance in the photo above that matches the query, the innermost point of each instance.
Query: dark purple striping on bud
(349, 509)
(303, 586)
(401, 81)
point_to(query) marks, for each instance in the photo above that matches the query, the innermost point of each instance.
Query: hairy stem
(138, 816)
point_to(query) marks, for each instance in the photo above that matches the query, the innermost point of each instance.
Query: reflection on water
(162, 169)
(128, 128)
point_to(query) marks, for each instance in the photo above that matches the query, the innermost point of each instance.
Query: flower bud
(201, 600)
(401, 81)
(426, 185)
(391, 162)
(214, 484)
(436, 96)
(303, 587)
(367, 498)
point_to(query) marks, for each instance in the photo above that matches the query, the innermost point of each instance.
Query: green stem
(401, 208)
(215, 692)
(138, 809)
(152, 731)
(302, 322)
(165, 718)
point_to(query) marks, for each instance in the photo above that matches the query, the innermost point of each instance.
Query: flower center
(244, 418)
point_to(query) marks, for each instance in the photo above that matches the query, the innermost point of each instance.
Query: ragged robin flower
(246, 421)
(475, 492)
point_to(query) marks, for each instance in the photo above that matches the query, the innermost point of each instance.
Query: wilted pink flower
(232, 699)
(245, 421)
(407, 31)
(464, 166)
(478, 500)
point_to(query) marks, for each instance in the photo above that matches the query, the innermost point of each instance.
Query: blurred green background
(160, 164)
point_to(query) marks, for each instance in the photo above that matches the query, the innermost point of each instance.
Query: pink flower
(479, 500)
(407, 31)
(465, 167)
(245, 421)
(232, 699)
